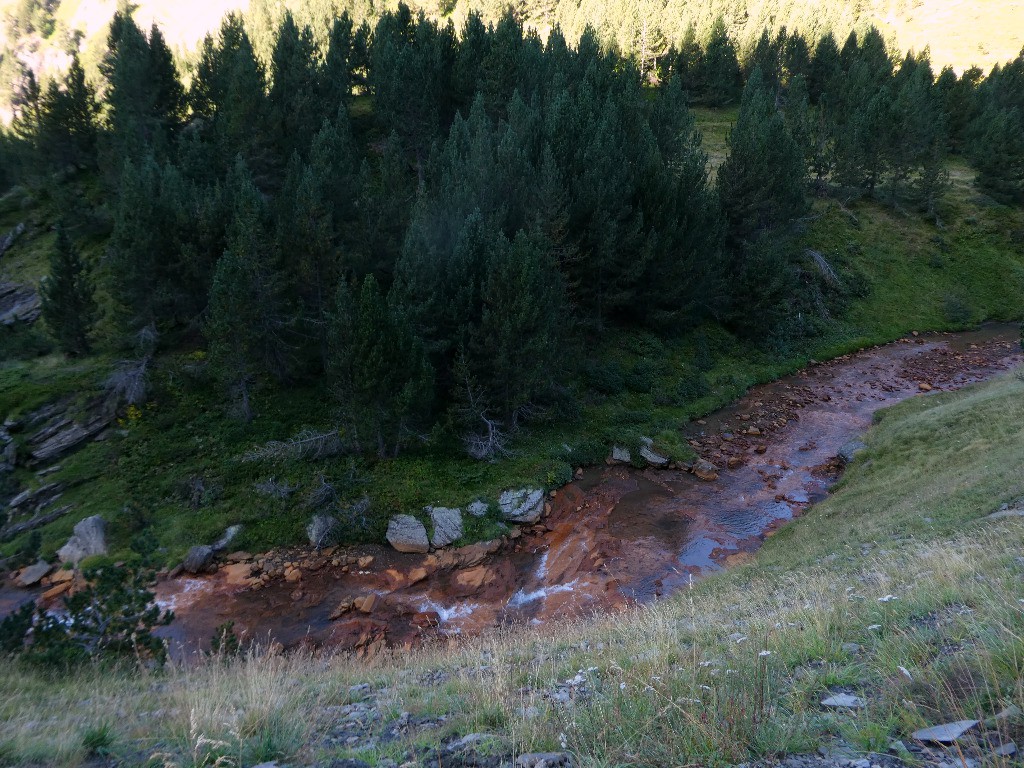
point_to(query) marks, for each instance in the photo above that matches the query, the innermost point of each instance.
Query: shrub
(113, 617)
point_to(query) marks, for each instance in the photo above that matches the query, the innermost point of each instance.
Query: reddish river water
(615, 535)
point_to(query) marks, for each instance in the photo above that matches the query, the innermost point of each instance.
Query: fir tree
(68, 115)
(384, 378)
(761, 183)
(998, 154)
(68, 306)
(246, 323)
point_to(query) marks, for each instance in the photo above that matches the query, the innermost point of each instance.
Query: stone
(851, 648)
(447, 525)
(1005, 513)
(1009, 749)
(648, 454)
(32, 574)
(522, 506)
(850, 450)
(947, 733)
(225, 541)
(89, 538)
(544, 760)
(56, 591)
(367, 603)
(365, 561)
(469, 741)
(620, 455)
(472, 578)
(238, 557)
(238, 574)
(62, 576)
(705, 470)
(477, 508)
(1012, 712)
(407, 534)
(924, 386)
(843, 701)
(293, 575)
(198, 559)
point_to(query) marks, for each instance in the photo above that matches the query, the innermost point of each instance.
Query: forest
(430, 226)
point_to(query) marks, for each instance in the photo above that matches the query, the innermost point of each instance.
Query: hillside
(900, 271)
(957, 33)
(902, 589)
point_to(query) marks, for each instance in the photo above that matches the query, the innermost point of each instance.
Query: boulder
(850, 450)
(447, 525)
(89, 538)
(407, 534)
(198, 559)
(229, 535)
(544, 760)
(705, 470)
(18, 304)
(843, 701)
(620, 455)
(33, 574)
(522, 506)
(648, 454)
(947, 733)
(478, 508)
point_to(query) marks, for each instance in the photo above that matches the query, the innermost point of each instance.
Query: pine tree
(384, 378)
(826, 67)
(246, 322)
(292, 102)
(998, 153)
(68, 115)
(721, 68)
(761, 183)
(68, 306)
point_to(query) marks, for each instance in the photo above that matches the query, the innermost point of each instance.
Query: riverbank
(616, 536)
(900, 589)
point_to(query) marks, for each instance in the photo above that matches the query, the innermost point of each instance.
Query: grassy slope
(668, 683)
(911, 275)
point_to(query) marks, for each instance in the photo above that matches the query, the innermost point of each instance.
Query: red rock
(55, 592)
(365, 561)
(292, 575)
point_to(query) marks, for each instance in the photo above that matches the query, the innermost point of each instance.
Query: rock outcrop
(522, 506)
(447, 525)
(32, 574)
(89, 538)
(199, 559)
(18, 304)
(648, 454)
(407, 534)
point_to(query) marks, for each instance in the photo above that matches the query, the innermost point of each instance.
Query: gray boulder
(843, 701)
(229, 535)
(620, 455)
(33, 574)
(850, 450)
(477, 508)
(447, 525)
(89, 538)
(198, 559)
(544, 760)
(648, 454)
(407, 534)
(522, 506)
(947, 733)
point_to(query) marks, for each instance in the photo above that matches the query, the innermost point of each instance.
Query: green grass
(899, 272)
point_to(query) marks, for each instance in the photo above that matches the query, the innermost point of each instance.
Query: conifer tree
(384, 378)
(826, 67)
(761, 183)
(721, 69)
(246, 322)
(68, 306)
(998, 153)
(68, 130)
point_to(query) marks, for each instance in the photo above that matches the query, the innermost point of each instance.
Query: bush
(112, 618)
(608, 378)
